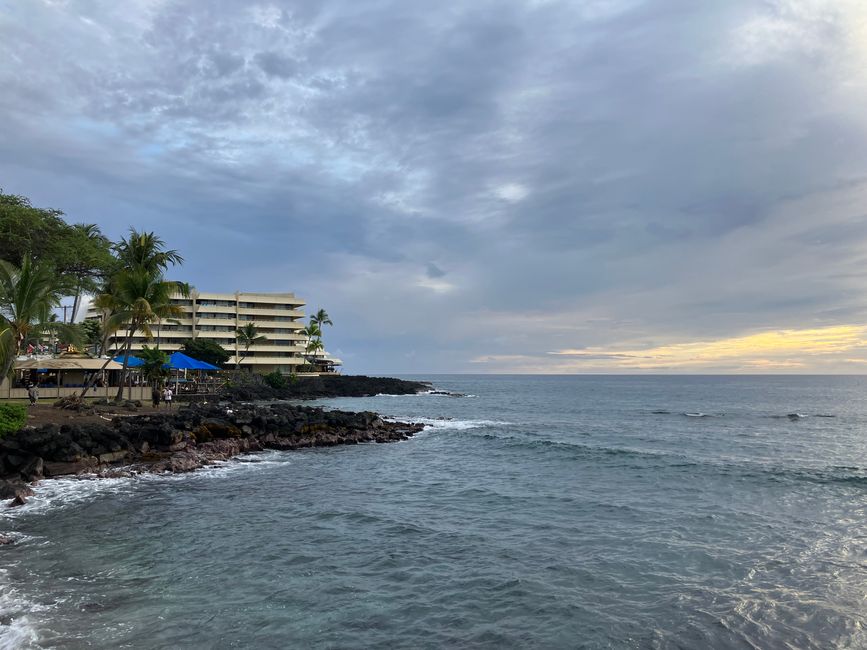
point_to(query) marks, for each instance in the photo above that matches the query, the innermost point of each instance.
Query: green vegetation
(12, 418)
(206, 350)
(27, 295)
(78, 255)
(313, 332)
(314, 344)
(137, 295)
(152, 369)
(43, 259)
(247, 336)
(321, 318)
(91, 331)
(275, 380)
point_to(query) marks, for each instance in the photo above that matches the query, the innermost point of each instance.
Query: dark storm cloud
(461, 180)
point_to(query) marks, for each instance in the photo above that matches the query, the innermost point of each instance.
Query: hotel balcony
(224, 322)
(271, 361)
(265, 347)
(264, 311)
(219, 309)
(265, 322)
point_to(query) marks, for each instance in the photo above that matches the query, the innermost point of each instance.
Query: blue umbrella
(180, 361)
(134, 362)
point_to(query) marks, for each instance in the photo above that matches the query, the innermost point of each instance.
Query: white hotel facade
(217, 316)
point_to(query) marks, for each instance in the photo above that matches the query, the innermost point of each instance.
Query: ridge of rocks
(180, 441)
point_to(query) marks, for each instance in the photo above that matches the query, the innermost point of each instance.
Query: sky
(508, 186)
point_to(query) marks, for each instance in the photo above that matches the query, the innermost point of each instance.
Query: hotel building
(217, 316)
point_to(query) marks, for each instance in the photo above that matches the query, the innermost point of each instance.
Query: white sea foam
(58, 493)
(19, 615)
(426, 393)
(455, 425)
(63, 492)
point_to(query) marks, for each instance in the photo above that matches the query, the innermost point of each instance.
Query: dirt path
(47, 414)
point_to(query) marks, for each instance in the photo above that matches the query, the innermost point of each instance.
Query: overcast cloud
(485, 186)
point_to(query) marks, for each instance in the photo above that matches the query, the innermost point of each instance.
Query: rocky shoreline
(251, 387)
(182, 441)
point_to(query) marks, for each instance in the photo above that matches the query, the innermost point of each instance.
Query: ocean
(533, 512)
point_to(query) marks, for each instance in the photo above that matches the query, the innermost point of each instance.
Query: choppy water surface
(545, 512)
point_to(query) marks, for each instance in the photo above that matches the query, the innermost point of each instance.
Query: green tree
(87, 261)
(275, 380)
(137, 295)
(314, 340)
(206, 350)
(27, 232)
(143, 299)
(321, 318)
(153, 369)
(58, 332)
(247, 336)
(146, 252)
(79, 254)
(91, 330)
(110, 320)
(27, 295)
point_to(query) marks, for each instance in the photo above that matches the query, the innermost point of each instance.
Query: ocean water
(540, 512)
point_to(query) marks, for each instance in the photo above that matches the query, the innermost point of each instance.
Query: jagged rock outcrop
(325, 386)
(180, 441)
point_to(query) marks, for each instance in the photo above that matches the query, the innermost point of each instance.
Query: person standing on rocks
(33, 394)
(167, 396)
(155, 397)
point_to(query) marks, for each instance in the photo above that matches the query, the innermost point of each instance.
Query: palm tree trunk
(103, 347)
(76, 301)
(13, 354)
(92, 380)
(123, 373)
(103, 344)
(7, 366)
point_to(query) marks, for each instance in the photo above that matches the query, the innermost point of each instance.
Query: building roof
(61, 363)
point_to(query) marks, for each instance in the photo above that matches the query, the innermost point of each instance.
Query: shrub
(12, 418)
(275, 379)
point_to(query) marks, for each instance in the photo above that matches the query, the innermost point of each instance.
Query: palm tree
(87, 266)
(145, 251)
(144, 300)
(314, 338)
(6, 341)
(321, 318)
(27, 295)
(314, 346)
(109, 320)
(59, 332)
(247, 336)
(137, 295)
(153, 368)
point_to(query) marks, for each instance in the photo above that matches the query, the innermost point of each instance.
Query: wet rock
(61, 468)
(113, 457)
(13, 488)
(33, 469)
(184, 440)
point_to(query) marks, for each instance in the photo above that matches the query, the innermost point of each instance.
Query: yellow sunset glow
(775, 349)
